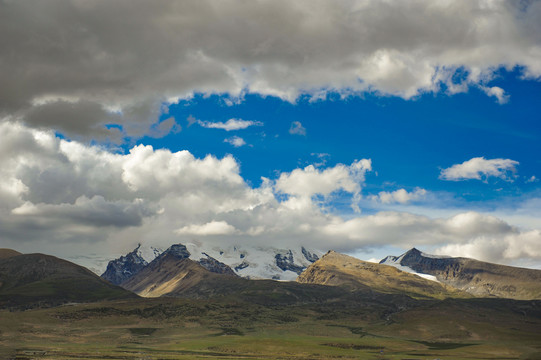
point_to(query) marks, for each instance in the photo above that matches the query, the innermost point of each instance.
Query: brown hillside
(7, 253)
(37, 279)
(341, 270)
(170, 275)
(476, 277)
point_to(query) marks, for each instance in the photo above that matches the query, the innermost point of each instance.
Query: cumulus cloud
(211, 228)
(229, 125)
(480, 168)
(235, 141)
(400, 196)
(508, 246)
(82, 60)
(468, 234)
(66, 198)
(297, 128)
(305, 183)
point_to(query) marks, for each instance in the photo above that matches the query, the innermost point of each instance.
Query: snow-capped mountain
(123, 268)
(245, 261)
(401, 263)
(258, 262)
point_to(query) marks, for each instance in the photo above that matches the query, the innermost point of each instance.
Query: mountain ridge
(342, 270)
(479, 278)
(248, 262)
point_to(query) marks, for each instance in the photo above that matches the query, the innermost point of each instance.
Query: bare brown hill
(42, 280)
(6, 253)
(341, 270)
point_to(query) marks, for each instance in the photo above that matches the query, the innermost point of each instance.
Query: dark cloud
(84, 58)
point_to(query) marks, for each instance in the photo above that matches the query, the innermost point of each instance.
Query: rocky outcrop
(215, 266)
(177, 250)
(242, 265)
(309, 256)
(121, 269)
(286, 262)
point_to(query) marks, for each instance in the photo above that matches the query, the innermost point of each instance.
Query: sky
(366, 127)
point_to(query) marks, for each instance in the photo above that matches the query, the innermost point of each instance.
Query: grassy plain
(167, 328)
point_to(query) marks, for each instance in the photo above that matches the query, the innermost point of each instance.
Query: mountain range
(413, 273)
(353, 307)
(30, 279)
(245, 261)
(481, 279)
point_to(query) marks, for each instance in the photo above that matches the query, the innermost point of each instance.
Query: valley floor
(190, 329)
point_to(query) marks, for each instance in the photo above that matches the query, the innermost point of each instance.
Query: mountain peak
(178, 250)
(121, 269)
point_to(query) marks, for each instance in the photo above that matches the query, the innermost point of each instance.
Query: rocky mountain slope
(28, 280)
(341, 270)
(475, 277)
(169, 275)
(245, 261)
(123, 268)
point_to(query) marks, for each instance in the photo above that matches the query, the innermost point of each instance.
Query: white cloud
(401, 196)
(497, 92)
(68, 199)
(500, 249)
(468, 234)
(297, 129)
(480, 168)
(235, 141)
(310, 181)
(229, 125)
(211, 228)
(403, 48)
(532, 179)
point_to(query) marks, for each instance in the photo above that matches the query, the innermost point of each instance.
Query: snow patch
(395, 262)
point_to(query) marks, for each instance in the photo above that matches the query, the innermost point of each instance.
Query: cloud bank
(67, 198)
(77, 66)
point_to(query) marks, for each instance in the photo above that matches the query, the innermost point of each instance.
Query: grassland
(166, 328)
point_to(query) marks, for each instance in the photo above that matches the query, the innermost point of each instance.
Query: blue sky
(367, 127)
(409, 141)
